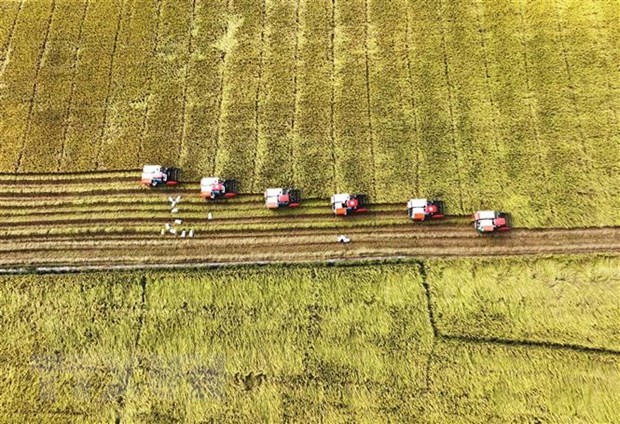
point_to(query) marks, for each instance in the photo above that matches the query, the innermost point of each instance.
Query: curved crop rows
(108, 219)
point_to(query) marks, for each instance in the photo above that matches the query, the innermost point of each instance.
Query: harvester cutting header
(282, 197)
(345, 204)
(155, 175)
(342, 204)
(491, 221)
(215, 188)
(420, 209)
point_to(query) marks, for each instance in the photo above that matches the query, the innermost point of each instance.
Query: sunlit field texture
(437, 341)
(507, 105)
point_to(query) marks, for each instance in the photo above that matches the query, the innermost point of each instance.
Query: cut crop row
(290, 251)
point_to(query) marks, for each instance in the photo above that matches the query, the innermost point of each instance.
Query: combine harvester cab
(214, 188)
(420, 209)
(345, 204)
(282, 197)
(155, 175)
(487, 222)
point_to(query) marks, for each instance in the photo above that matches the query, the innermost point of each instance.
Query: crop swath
(108, 219)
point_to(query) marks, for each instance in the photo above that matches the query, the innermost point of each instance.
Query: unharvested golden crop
(506, 105)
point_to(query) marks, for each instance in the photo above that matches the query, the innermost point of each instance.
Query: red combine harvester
(155, 175)
(282, 197)
(491, 221)
(345, 204)
(215, 188)
(420, 209)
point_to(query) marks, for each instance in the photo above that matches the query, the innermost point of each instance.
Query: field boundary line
(74, 67)
(149, 84)
(9, 41)
(106, 106)
(371, 137)
(413, 103)
(431, 321)
(199, 266)
(134, 357)
(313, 329)
(261, 58)
(35, 87)
(457, 157)
(332, 104)
(527, 343)
(188, 65)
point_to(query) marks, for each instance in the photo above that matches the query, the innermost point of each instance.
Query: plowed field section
(107, 219)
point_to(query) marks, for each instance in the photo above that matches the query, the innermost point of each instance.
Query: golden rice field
(507, 105)
(511, 105)
(513, 340)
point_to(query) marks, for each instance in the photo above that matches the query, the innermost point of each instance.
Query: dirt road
(94, 220)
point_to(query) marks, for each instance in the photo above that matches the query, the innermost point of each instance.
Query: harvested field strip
(149, 234)
(303, 243)
(47, 223)
(281, 254)
(165, 216)
(305, 246)
(127, 197)
(159, 209)
(45, 179)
